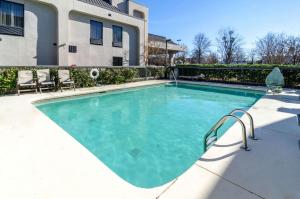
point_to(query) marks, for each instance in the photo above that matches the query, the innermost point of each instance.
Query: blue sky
(252, 19)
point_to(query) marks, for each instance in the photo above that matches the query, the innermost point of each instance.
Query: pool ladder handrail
(211, 136)
(252, 133)
(174, 76)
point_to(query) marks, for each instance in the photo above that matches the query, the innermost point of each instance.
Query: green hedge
(81, 76)
(241, 75)
(238, 66)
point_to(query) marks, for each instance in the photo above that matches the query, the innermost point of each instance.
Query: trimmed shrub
(81, 76)
(8, 80)
(240, 75)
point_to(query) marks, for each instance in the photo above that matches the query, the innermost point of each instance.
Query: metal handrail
(174, 76)
(218, 125)
(252, 133)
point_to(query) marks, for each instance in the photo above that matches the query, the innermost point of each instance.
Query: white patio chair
(65, 80)
(44, 80)
(26, 81)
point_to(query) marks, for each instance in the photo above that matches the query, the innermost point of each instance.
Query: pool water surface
(150, 135)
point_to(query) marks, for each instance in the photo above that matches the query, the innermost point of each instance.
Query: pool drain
(135, 153)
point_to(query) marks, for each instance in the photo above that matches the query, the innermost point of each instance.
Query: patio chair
(44, 80)
(26, 82)
(275, 81)
(65, 80)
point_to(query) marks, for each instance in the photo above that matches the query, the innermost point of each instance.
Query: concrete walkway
(39, 160)
(269, 170)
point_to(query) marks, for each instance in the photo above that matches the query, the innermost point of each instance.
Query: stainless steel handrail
(218, 125)
(172, 71)
(252, 133)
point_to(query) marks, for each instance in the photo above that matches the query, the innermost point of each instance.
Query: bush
(8, 80)
(241, 75)
(81, 76)
(238, 66)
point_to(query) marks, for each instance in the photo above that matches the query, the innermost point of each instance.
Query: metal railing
(252, 133)
(174, 76)
(212, 136)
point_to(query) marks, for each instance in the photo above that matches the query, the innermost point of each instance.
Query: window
(117, 61)
(11, 18)
(96, 35)
(117, 36)
(72, 49)
(107, 1)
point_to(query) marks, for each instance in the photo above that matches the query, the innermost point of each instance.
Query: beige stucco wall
(39, 17)
(37, 45)
(100, 55)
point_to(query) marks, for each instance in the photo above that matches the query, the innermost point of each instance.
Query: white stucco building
(73, 32)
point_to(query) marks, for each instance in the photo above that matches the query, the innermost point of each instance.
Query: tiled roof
(102, 4)
(158, 38)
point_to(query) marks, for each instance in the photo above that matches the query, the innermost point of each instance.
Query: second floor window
(96, 36)
(107, 1)
(11, 18)
(117, 36)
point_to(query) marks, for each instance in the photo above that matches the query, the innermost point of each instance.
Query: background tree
(229, 45)
(293, 50)
(212, 58)
(181, 57)
(272, 48)
(156, 55)
(251, 56)
(202, 45)
(240, 56)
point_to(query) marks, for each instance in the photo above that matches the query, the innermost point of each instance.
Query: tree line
(273, 48)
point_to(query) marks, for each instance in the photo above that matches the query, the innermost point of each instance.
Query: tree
(181, 57)
(156, 54)
(240, 56)
(202, 45)
(293, 50)
(251, 56)
(229, 45)
(272, 48)
(212, 58)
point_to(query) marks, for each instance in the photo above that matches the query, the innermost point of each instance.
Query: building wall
(66, 22)
(100, 55)
(37, 45)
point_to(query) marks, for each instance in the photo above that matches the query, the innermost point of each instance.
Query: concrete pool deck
(40, 160)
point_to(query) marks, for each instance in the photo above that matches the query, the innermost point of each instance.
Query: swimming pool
(149, 135)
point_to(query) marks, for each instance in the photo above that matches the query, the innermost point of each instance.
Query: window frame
(13, 28)
(93, 41)
(119, 62)
(118, 44)
(72, 49)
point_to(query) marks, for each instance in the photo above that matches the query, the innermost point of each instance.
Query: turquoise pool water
(149, 135)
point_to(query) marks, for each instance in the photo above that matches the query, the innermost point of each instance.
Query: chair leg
(18, 90)
(41, 91)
